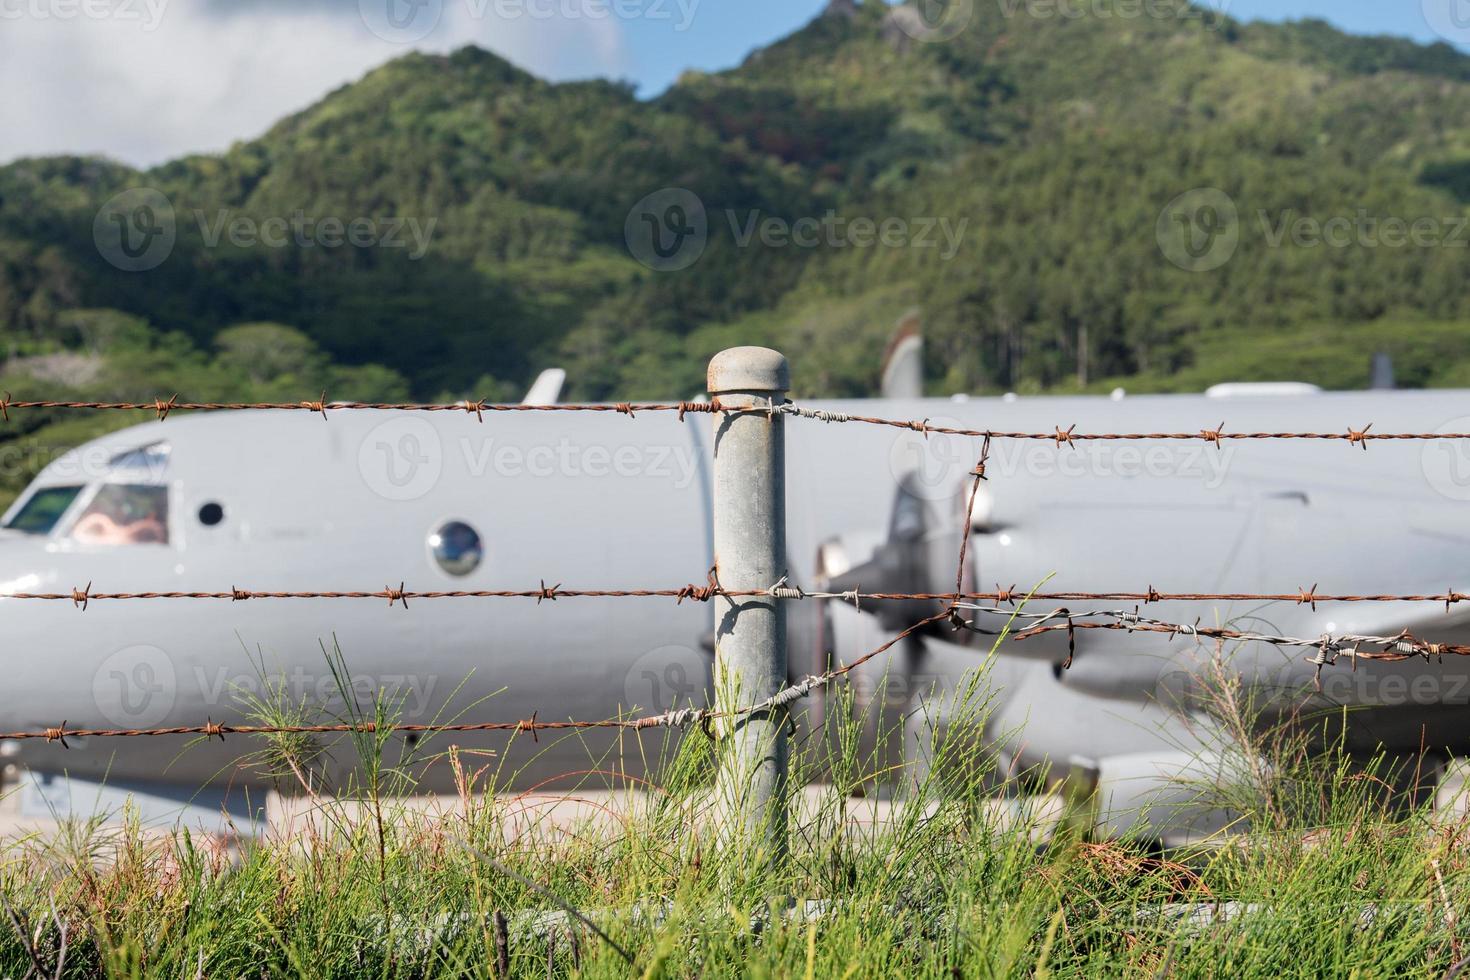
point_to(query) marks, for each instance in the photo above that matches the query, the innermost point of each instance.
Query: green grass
(1343, 874)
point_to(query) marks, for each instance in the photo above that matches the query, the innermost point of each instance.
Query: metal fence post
(750, 554)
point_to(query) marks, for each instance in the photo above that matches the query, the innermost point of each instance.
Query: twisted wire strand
(1069, 436)
(82, 597)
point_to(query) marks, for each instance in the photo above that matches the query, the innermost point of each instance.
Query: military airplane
(274, 500)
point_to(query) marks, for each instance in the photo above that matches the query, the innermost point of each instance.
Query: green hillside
(1039, 154)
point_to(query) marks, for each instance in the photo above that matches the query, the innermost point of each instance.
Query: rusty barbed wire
(163, 407)
(782, 589)
(1329, 648)
(1069, 436)
(676, 718)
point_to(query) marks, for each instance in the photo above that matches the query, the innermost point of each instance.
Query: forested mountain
(1040, 154)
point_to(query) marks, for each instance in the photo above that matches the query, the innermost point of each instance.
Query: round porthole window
(211, 514)
(456, 547)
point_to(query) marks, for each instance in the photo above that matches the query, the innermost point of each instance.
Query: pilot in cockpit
(124, 514)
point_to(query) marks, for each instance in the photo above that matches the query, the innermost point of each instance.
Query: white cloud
(147, 80)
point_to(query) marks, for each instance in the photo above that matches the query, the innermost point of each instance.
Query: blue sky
(144, 81)
(720, 33)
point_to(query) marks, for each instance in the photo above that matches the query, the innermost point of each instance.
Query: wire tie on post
(783, 590)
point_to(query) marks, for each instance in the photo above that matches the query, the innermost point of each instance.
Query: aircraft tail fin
(1381, 376)
(546, 390)
(903, 363)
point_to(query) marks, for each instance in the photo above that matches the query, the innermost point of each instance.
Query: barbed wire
(782, 589)
(321, 406)
(1329, 648)
(1061, 436)
(676, 718)
(1070, 436)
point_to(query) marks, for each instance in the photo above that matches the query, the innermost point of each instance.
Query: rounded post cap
(748, 369)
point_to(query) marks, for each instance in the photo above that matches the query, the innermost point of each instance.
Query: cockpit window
(40, 513)
(125, 513)
(151, 459)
